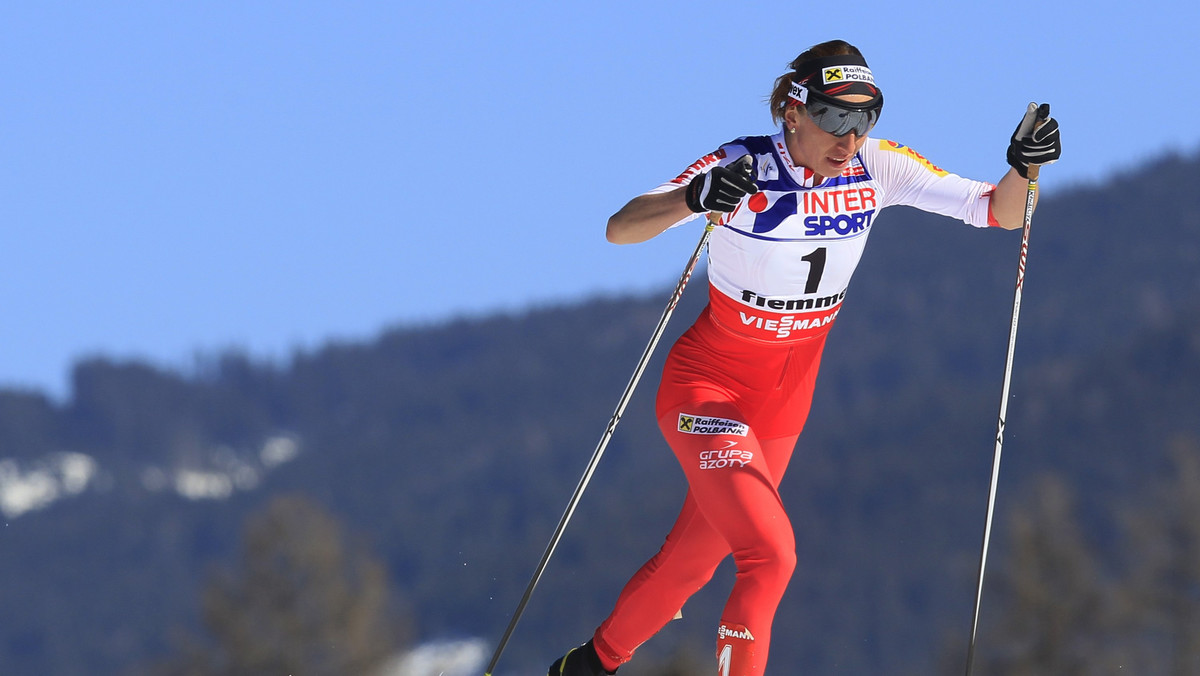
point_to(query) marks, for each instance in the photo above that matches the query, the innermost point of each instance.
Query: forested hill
(451, 451)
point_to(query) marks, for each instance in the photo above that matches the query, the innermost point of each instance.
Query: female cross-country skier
(736, 387)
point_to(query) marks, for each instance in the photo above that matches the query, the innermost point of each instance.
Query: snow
(464, 657)
(222, 471)
(49, 479)
(27, 486)
(278, 450)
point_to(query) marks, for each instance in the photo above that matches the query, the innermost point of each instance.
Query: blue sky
(178, 179)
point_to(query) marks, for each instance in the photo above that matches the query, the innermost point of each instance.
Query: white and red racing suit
(737, 386)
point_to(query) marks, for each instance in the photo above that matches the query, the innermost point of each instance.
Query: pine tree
(1053, 617)
(302, 602)
(1163, 594)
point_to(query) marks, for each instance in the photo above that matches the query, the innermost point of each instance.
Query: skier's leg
(731, 479)
(652, 597)
(686, 562)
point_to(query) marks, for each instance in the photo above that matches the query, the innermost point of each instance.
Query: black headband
(838, 75)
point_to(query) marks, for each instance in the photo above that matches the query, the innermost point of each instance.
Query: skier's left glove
(1036, 140)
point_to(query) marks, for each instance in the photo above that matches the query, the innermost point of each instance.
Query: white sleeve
(907, 177)
(721, 157)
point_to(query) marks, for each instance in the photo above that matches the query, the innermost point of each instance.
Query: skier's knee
(771, 564)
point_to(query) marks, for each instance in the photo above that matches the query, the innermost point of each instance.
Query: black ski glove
(721, 188)
(1030, 145)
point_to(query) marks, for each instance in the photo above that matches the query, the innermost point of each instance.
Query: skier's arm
(720, 188)
(1035, 142)
(647, 216)
(1008, 201)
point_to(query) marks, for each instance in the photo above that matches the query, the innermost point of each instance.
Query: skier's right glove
(1036, 140)
(721, 188)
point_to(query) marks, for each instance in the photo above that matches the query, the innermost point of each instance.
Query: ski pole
(713, 220)
(1030, 200)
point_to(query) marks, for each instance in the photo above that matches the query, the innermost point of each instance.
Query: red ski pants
(731, 410)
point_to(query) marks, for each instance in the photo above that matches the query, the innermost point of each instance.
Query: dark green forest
(428, 467)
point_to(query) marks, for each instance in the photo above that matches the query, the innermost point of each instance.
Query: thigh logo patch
(699, 424)
(725, 458)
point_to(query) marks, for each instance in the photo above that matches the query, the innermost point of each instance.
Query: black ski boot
(581, 661)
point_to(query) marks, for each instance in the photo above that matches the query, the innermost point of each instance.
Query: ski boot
(581, 661)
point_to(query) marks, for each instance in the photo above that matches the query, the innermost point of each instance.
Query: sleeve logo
(918, 157)
(699, 166)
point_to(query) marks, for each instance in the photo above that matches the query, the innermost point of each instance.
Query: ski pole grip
(1043, 114)
(744, 164)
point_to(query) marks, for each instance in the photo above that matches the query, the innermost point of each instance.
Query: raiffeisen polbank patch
(699, 424)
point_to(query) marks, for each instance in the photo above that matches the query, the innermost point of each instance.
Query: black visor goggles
(840, 117)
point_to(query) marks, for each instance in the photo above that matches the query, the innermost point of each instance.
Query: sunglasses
(840, 117)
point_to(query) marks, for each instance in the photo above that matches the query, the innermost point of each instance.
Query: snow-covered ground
(38, 484)
(30, 485)
(465, 657)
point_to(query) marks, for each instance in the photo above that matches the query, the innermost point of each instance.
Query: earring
(792, 130)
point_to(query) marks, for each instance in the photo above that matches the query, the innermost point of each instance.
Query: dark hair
(780, 100)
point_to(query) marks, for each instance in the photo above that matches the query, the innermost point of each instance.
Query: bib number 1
(816, 268)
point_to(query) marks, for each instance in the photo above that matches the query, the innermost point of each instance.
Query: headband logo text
(846, 73)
